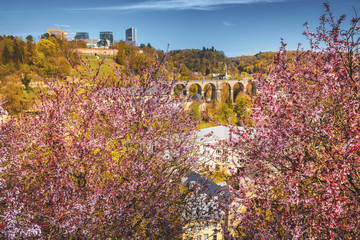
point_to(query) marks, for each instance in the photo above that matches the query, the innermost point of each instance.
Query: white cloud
(228, 24)
(181, 4)
(61, 25)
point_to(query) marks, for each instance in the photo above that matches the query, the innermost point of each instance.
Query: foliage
(50, 59)
(254, 64)
(97, 161)
(220, 112)
(297, 168)
(20, 61)
(203, 61)
(223, 111)
(47, 48)
(45, 36)
(134, 57)
(195, 109)
(179, 90)
(260, 62)
(12, 51)
(242, 108)
(11, 91)
(194, 89)
(25, 77)
(205, 124)
(78, 44)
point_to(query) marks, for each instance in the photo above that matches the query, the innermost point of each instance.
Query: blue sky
(237, 27)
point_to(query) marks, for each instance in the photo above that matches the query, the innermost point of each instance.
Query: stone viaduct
(215, 85)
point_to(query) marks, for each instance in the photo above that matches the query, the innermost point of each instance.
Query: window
(206, 236)
(198, 227)
(206, 225)
(189, 228)
(198, 237)
(215, 236)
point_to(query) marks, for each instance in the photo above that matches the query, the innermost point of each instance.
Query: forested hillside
(204, 62)
(260, 62)
(22, 61)
(253, 64)
(188, 63)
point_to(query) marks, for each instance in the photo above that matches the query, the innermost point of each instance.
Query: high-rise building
(107, 35)
(82, 35)
(130, 36)
(60, 34)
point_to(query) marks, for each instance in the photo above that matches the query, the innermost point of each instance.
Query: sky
(236, 27)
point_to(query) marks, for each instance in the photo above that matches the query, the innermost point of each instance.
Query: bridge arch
(209, 92)
(194, 88)
(180, 90)
(225, 92)
(238, 88)
(203, 86)
(251, 88)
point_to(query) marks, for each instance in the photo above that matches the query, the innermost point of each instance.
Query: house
(60, 34)
(211, 157)
(197, 96)
(225, 76)
(206, 214)
(97, 43)
(221, 161)
(210, 216)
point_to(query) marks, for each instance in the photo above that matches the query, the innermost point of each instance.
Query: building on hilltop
(225, 76)
(130, 36)
(60, 34)
(97, 43)
(107, 35)
(82, 35)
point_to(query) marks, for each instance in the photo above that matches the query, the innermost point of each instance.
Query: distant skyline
(237, 27)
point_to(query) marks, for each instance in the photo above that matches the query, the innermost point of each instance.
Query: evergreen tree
(6, 57)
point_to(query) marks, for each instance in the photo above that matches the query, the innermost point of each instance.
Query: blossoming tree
(100, 159)
(296, 170)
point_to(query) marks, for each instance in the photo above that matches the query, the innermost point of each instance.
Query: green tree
(6, 56)
(18, 52)
(195, 109)
(25, 76)
(14, 97)
(45, 36)
(194, 89)
(242, 108)
(225, 96)
(104, 42)
(124, 52)
(46, 48)
(223, 113)
(29, 51)
(111, 40)
(98, 162)
(29, 39)
(25, 79)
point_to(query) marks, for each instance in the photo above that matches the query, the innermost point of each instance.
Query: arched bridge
(211, 89)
